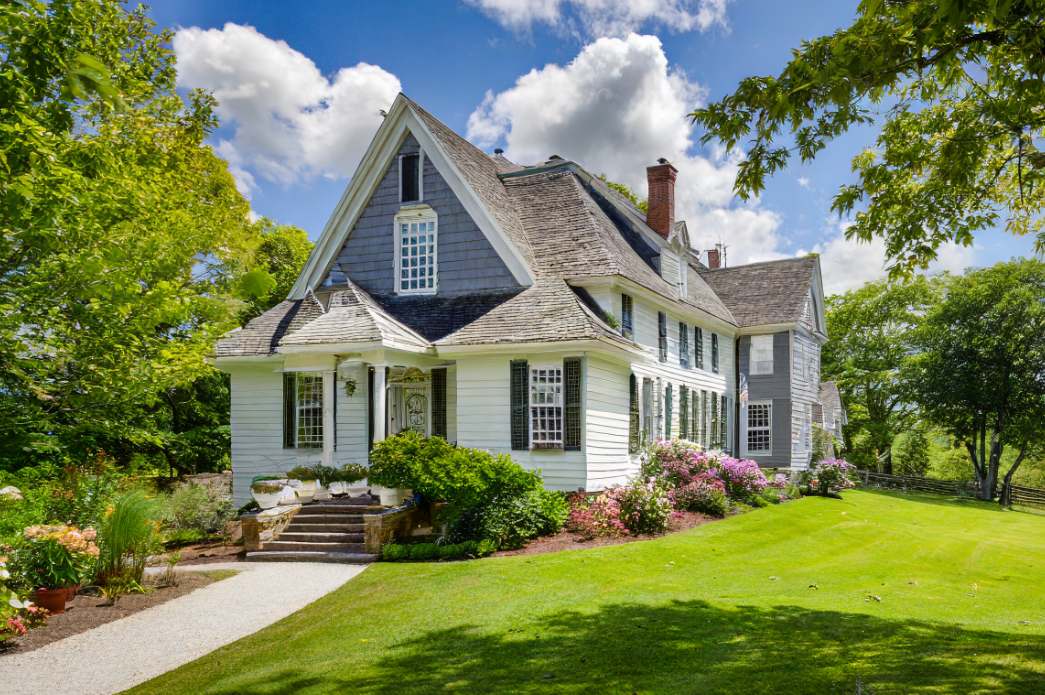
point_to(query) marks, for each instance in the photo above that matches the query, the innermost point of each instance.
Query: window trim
(292, 406)
(416, 213)
(420, 177)
(751, 361)
(768, 403)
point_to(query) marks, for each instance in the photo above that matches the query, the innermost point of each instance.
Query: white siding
(805, 388)
(606, 424)
(352, 414)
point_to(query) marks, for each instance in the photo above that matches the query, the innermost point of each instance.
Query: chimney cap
(663, 161)
(554, 156)
(498, 151)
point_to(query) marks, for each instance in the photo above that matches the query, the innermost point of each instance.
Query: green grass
(218, 575)
(734, 614)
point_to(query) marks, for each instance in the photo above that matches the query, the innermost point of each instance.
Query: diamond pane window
(416, 252)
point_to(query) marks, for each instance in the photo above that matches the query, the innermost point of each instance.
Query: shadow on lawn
(686, 647)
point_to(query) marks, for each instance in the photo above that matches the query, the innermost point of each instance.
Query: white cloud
(803, 182)
(598, 18)
(291, 122)
(848, 264)
(615, 110)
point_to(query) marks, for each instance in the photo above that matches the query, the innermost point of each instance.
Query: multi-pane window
(546, 407)
(627, 316)
(303, 410)
(684, 345)
(760, 358)
(698, 346)
(759, 428)
(416, 259)
(714, 352)
(662, 333)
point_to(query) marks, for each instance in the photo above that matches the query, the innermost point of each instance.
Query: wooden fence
(1020, 495)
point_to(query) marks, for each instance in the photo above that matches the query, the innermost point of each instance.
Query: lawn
(779, 600)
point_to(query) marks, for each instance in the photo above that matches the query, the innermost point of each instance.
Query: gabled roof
(764, 293)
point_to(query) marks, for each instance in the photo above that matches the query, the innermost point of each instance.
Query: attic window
(416, 243)
(409, 179)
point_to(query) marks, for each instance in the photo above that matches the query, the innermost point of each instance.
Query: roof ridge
(750, 265)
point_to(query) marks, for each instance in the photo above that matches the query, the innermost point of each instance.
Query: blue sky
(604, 82)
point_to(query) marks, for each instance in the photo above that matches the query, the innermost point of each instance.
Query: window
(694, 422)
(303, 410)
(647, 411)
(714, 352)
(683, 345)
(546, 407)
(572, 396)
(667, 412)
(683, 412)
(439, 403)
(704, 418)
(698, 347)
(715, 444)
(416, 251)
(519, 387)
(627, 316)
(723, 437)
(662, 332)
(759, 428)
(409, 178)
(760, 356)
(633, 416)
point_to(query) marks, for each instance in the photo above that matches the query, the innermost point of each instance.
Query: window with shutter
(662, 332)
(714, 421)
(694, 421)
(647, 411)
(714, 353)
(439, 403)
(633, 415)
(667, 412)
(698, 347)
(572, 376)
(704, 419)
(723, 437)
(520, 392)
(760, 356)
(684, 412)
(627, 316)
(683, 345)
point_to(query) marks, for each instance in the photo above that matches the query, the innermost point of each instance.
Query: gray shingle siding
(467, 261)
(775, 387)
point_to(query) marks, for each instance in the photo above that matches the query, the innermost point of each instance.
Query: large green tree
(870, 330)
(122, 236)
(979, 362)
(959, 84)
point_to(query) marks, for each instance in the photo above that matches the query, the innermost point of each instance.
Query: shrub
(828, 475)
(422, 552)
(513, 522)
(349, 473)
(461, 478)
(486, 547)
(451, 552)
(596, 516)
(395, 553)
(17, 615)
(911, 453)
(676, 462)
(644, 506)
(702, 495)
(741, 479)
(469, 548)
(127, 537)
(303, 473)
(776, 494)
(195, 508)
(56, 556)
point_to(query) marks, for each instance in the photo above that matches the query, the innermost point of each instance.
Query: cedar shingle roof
(262, 335)
(764, 293)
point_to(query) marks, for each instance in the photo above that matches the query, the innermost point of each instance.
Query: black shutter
(667, 412)
(439, 403)
(520, 394)
(571, 436)
(370, 410)
(662, 327)
(684, 412)
(408, 178)
(289, 409)
(684, 345)
(633, 417)
(714, 420)
(627, 309)
(698, 336)
(723, 419)
(714, 352)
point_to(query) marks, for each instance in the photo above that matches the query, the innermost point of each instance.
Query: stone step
(295, 527)
(325, 509)
(299, 556)
(346, 501)
(292, 534)
(314, 547)
(306, 518)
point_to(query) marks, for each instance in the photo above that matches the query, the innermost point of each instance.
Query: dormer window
(416, 241)
(410, 178)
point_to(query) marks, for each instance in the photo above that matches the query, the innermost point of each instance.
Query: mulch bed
(87, 612)
(205, 553)
(574, 541)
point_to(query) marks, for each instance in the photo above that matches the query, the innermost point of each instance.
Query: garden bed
(85, 612)
(564, 540)
(203, 553)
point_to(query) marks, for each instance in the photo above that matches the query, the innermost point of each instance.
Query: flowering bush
(742, 479)
(595, 516)
(643, 507)
(705, 494)
(675, 462)
(57, 556)
(831, 474)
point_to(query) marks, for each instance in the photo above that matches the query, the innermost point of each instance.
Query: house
(528, 310)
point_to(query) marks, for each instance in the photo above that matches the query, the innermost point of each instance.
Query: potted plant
(55, 559)
(308, 479)
(267, 493)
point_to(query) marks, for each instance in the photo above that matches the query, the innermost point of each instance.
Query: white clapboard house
(527, 310)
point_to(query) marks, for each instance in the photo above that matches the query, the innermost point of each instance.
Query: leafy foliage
(911, 453)
(961, 87)
(195, 507)
(511, 522)
(625, 193)
(128, 535)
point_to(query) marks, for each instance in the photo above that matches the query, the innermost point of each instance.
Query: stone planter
(267, 500)
(392, 497)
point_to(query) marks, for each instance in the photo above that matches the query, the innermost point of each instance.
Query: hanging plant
(350, 387)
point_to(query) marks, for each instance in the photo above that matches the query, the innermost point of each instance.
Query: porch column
(329, 425)
(377, 410)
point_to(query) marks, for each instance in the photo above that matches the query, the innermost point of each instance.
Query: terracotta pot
(52, 599)
(72, 592)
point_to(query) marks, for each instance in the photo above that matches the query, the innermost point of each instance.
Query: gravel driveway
(121, 654)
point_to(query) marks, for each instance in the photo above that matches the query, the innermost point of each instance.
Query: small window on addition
(409, 188)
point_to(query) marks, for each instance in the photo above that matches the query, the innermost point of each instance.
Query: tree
(626, 193)
(960, 84)
(911, 451)
(978, 368)
(280, 256)
(870, 340)
(122, 236)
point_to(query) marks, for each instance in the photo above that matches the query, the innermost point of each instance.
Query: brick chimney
(714, 260)
(660, 213)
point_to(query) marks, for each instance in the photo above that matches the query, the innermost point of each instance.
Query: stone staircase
(326, 531)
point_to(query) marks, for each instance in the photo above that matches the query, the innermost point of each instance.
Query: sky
(606, 83)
